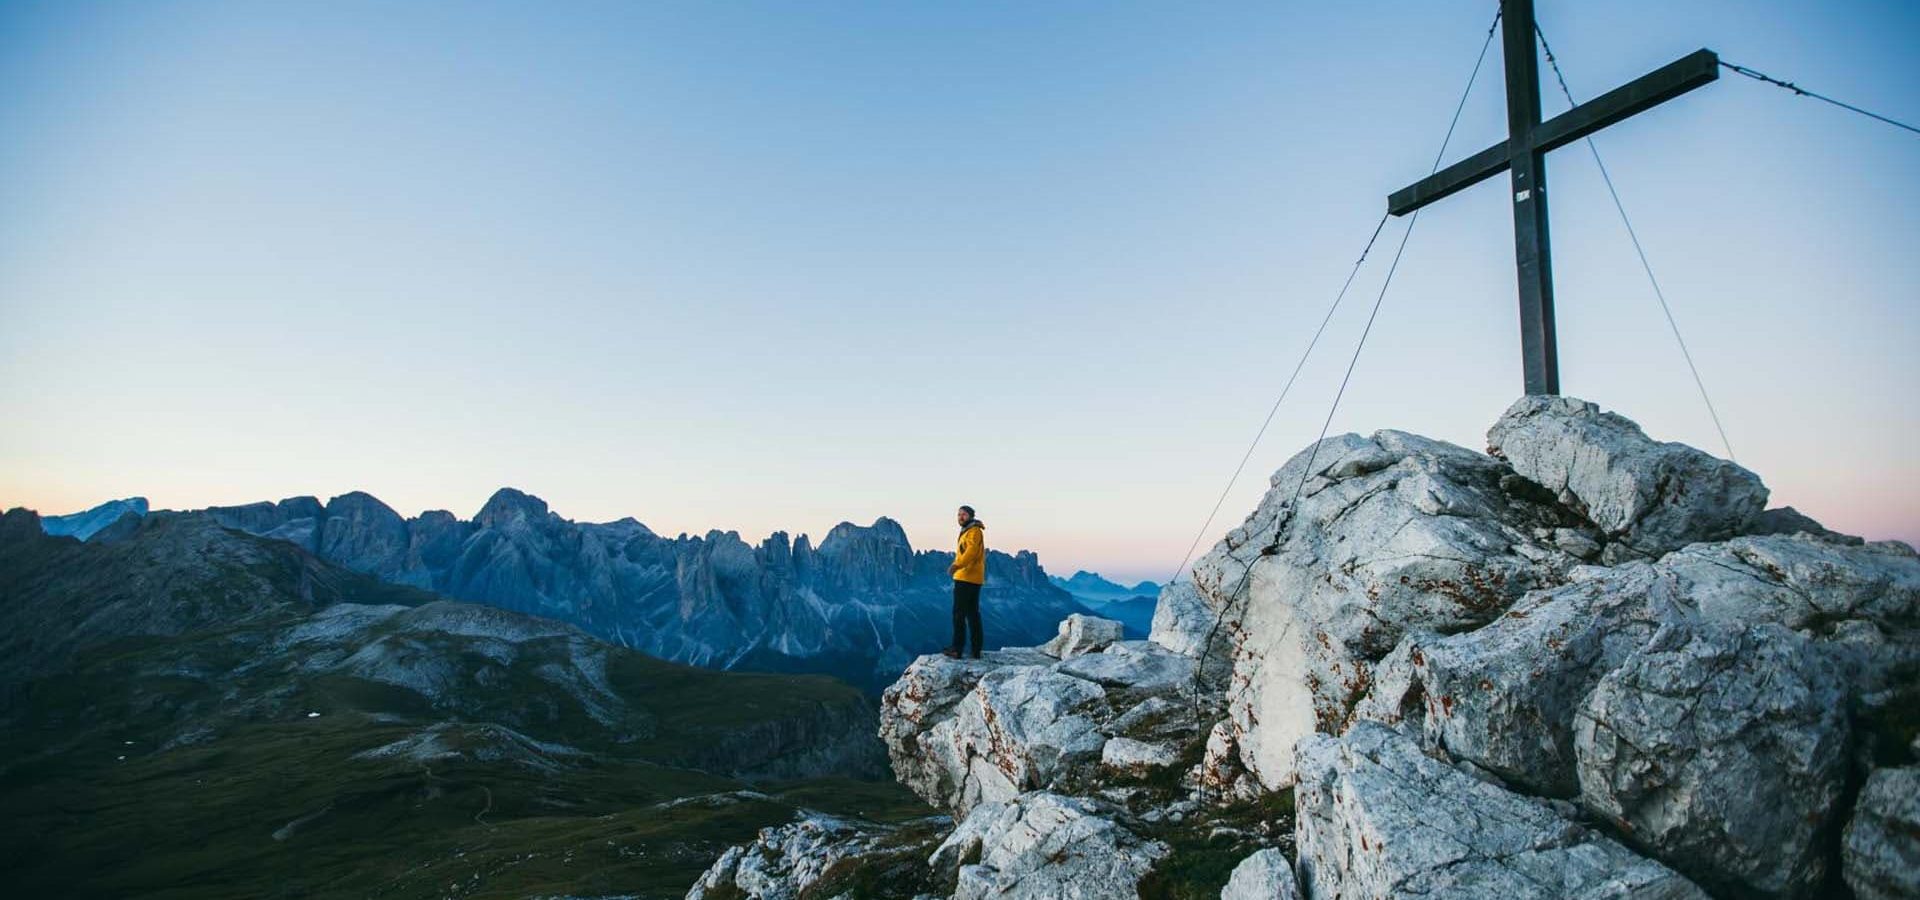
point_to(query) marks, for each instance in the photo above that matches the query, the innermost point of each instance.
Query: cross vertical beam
(1523, 155)
(1528, 166)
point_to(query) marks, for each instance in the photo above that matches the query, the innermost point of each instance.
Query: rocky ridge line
(1587, 664)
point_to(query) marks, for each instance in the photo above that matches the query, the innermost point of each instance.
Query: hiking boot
(950, 653)
(976, 654)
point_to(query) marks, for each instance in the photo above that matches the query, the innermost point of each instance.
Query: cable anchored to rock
(1246, 577)
(1634, 236)
(1324, 320)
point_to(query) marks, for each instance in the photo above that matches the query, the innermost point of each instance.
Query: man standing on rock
(969, 571)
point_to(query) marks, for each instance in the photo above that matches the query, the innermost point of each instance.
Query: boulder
(1723, 750)
(1182, 620)
(1265, 875)
(812, 856)
(1861, 603)
(1043, 846)
(1129, 755)
(1378, 819)
(1787, 520)
(1080, 633)
(1881, 853)
(1647, 496)
(963, 732)
(1137, 665)
(1391, 533)
(1503, 696)
(1220, 773)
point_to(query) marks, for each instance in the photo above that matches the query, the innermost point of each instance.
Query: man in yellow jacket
(969, 571)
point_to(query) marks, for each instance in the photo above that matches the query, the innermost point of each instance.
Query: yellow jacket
(970, 559)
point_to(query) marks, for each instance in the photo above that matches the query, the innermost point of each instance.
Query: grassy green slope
(163, 745)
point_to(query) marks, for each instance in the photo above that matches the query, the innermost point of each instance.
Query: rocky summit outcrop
(1389, 534)
(1380, 819)
(859, 605)
(1588, 664)
(1647, 496)
(965, 732)
(1377, 818)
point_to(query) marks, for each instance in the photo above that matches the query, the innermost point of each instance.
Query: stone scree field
(1581, 664)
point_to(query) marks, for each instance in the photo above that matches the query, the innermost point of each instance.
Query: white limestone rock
(1014, 727)
(964, 732)
(1503, 696)
(785, 862)
(1392, 533)
(1129, 755)
(1043, 846)
(1724, 751)
(1220, 773)
(1649, 497)
(1378, 819)
(1081, 633)
(1182, 620)
(1265, 875)
(1860, 602)
(1881, 853)
(1139, 665)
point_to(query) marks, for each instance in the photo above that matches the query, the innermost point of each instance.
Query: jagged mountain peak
(87, 523)
(883, 530)
(353, 502)
(507, 504)
(858, 604)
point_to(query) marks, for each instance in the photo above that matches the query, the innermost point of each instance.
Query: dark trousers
(966, 616)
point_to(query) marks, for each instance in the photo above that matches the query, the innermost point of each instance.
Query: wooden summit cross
(1524, 154)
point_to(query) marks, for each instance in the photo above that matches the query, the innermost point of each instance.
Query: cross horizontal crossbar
(1698, 68)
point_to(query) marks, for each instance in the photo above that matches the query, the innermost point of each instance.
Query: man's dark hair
(968, 510)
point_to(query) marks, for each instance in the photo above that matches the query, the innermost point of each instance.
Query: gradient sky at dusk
(764, 266)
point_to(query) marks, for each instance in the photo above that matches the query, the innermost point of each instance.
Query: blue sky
(774, 265)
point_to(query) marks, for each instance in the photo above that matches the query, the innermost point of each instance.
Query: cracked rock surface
(1392, 533)
(1649, 497)
(1586, 666)
(1504, 696)
(1881, 853)
(1723, 751)
(965, 732)
(1380, 819)
(804, 858)
(1044, 845)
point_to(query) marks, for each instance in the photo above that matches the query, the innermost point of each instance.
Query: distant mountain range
(84, 525)
(182, 704)
(1132, 606)
(860, 605)
(1087, 584)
